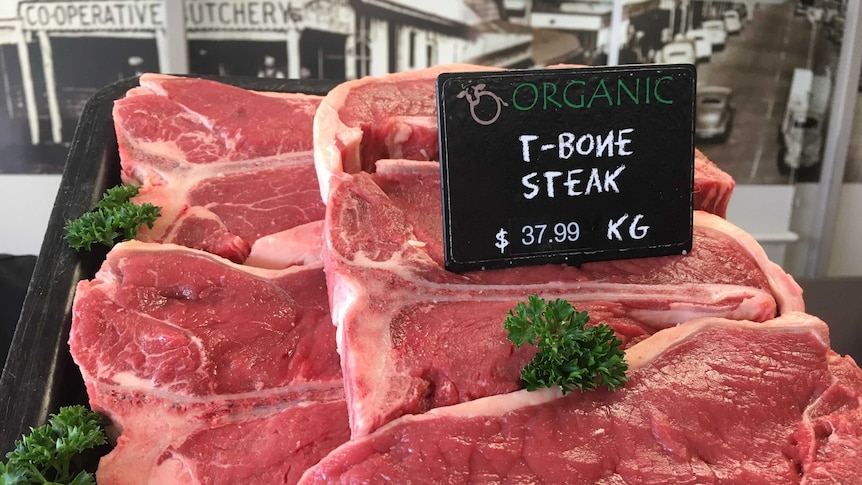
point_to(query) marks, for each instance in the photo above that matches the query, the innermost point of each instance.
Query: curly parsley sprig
(115, 217)
(48, 454)
(571, 355)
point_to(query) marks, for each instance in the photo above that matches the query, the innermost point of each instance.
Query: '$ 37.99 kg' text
(566, 233)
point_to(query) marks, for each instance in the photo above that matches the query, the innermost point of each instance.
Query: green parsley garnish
(114, 217)
(48, 454)
(571, 355)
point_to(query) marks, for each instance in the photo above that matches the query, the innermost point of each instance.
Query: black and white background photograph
(758, 61)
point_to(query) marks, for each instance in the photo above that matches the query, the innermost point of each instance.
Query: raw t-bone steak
(227, 165)
(395, 116)
(708, 401)
(362, 121)
(413, 336)
(213, 372)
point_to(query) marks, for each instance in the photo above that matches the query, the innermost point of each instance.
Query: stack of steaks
(289, 319)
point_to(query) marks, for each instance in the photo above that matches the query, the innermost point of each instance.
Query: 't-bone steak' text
(567, 145)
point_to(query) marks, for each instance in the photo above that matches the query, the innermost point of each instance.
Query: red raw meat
(362, 121)
(202, 363)
(402, 318)
(413, 336)
(708, 401)
(227, 165)
(395, 117)
(712, 186)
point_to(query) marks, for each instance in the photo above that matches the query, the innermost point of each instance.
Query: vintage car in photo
(713, 113)
(732, 22)
(702, 44)
(677, 52)
(717, 33)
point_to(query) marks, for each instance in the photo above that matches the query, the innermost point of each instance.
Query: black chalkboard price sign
(566, 165)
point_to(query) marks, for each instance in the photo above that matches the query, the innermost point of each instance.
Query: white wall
(846, 257)
(765, 212)
(26, 202)
(845, 254)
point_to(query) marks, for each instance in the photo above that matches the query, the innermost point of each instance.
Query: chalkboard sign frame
(496, 150)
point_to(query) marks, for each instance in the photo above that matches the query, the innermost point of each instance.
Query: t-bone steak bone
(203, 364)
(708, 401)
(227, 165)
(413, 336)
(364, 120)
(395, 116)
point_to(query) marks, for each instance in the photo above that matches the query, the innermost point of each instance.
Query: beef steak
(227, 165)
(712, 186)
(202, 363)
(368, 119)
(395, 117)
(708, 401)
(413, 336)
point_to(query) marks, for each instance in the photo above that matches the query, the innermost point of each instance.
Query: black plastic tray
(39, 376)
